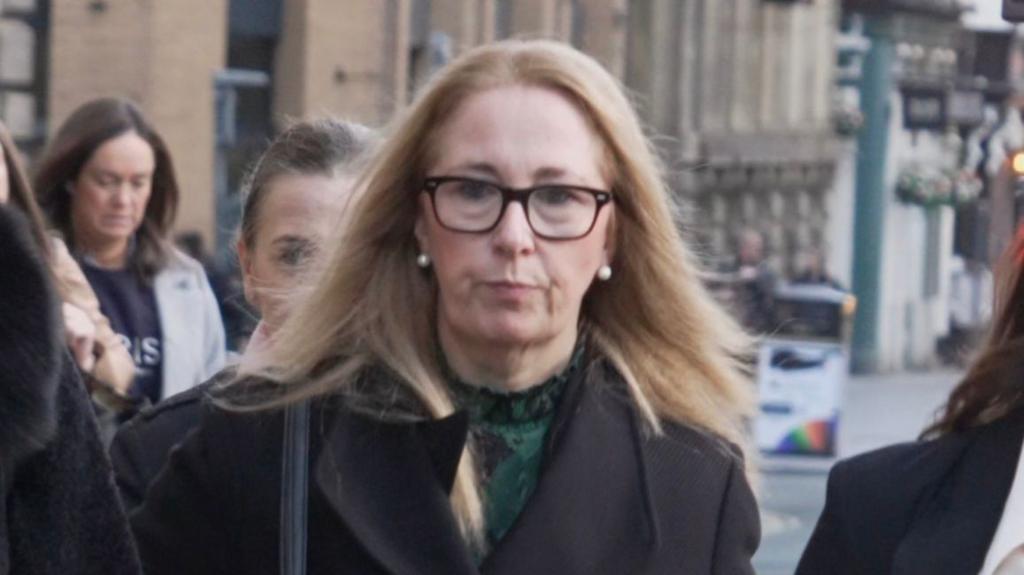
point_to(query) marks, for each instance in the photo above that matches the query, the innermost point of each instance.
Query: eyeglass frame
(520, 195)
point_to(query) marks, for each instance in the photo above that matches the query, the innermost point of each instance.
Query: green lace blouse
(509, 430)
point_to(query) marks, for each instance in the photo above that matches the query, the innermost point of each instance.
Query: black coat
(917, 508)
(610, 499)
(59, 510)
(31, 345)
(141, 447)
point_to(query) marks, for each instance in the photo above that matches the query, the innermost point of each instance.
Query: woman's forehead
(127, 153)
(304, 200)
(517, 130)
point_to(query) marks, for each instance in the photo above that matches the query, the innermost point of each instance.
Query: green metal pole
(871, 192)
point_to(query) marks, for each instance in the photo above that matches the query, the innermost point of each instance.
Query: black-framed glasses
(554, 211)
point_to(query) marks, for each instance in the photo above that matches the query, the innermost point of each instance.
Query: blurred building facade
(931, 104)
(195, 67)
(24, 26)
(738, 93)
(742, 89)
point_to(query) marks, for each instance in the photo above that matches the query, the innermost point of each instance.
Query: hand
(80, 333)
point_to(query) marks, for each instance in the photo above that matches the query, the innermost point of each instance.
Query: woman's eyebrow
(482, 168)
(541, 174)
(292, 240)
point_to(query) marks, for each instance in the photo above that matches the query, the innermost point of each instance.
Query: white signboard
(800, 385)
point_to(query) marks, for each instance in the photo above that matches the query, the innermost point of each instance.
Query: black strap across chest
(295, 489)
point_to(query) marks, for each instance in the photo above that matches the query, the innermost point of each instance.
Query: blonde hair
(679, 353)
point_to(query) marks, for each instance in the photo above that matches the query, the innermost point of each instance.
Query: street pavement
(878, 410)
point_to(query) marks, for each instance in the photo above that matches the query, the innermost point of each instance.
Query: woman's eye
(474, 190)
(554, 196)
(295, 255)
(107, 181)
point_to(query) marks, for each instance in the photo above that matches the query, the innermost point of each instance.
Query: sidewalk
(885, 409)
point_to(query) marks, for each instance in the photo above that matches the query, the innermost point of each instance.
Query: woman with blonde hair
(508, 364)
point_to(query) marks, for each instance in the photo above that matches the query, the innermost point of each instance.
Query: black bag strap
(294, 489)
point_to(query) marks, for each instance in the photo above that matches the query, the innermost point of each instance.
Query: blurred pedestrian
(970, 309)
(59, 512)
(509, 365)
(107, 183)
(98, 351)
(954, 501)
(755, 284)
(294, 199)
(814, 271)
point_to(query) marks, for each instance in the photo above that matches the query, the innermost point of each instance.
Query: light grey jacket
(193, 333)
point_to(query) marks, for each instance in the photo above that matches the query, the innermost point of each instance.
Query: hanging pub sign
(924, 109)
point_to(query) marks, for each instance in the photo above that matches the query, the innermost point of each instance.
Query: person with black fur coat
(59, 511)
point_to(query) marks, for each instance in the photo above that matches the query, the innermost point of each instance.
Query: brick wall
(163, 55)
(343, 58)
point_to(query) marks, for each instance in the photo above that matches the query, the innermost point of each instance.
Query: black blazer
(917, 508)
(610, 498)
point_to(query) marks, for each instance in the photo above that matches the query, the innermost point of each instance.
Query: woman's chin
(513, 333)
(505, 328)
(115, 234)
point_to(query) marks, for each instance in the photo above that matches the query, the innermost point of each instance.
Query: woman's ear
(249, 281)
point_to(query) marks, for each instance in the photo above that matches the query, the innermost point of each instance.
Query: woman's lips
(511, 290)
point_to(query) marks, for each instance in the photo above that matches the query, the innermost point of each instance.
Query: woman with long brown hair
(108, 185)
(952, 502)
(508, 365)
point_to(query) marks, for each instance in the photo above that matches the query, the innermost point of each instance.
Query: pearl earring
(423, 260)
(604, 273)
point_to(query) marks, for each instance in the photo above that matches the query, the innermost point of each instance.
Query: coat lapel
(390, 484)
(590, 512)
(954, 528)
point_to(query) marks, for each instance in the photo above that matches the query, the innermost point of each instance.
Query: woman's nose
(122, 194)
(514, 234)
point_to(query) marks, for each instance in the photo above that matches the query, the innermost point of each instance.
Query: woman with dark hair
(952, 502)
(294, 198)
(98, 351)
(107, 183)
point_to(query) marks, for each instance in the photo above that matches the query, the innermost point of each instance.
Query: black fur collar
(31, 342)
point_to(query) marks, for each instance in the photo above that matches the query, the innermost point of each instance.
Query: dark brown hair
(21, 193)
(994, 384)
(88, 128)
(321, 147)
